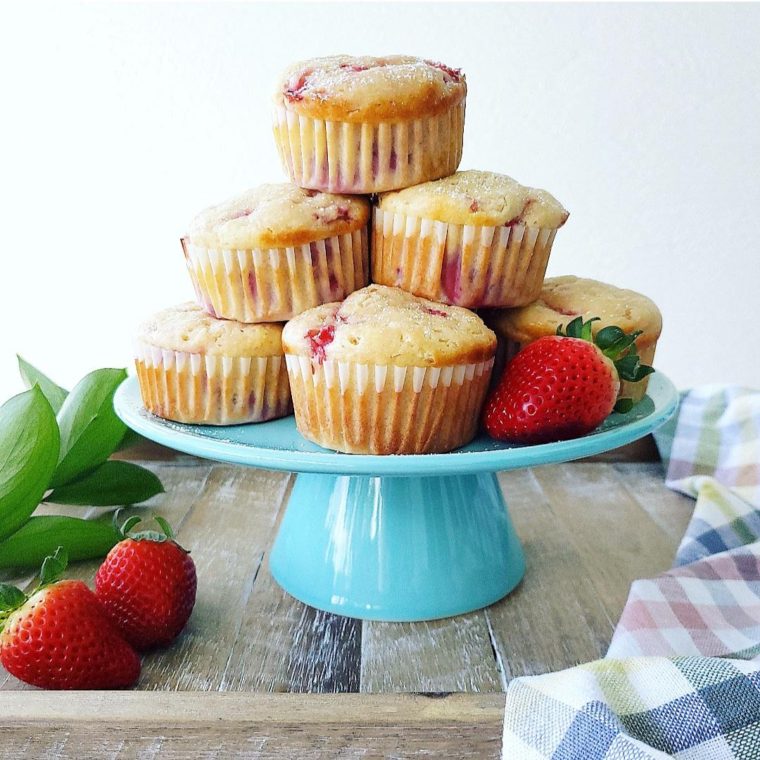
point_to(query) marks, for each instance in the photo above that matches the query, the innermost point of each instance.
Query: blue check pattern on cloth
(682, 675)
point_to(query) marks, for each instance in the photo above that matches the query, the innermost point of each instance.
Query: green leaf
(32, 376)
(574, 328)
(90, 429)
(628, 366)
(29, 444)
(631, 369)
(167, 533)
(53, 567)
(41, 536)
(608, 336)
(622, 346)
(113, 483)
(11, 598)
(164, 525)
(624, 405)
(642, 372)
(128, 525)
(586, 331)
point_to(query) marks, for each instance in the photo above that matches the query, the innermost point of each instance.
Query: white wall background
(119, 122)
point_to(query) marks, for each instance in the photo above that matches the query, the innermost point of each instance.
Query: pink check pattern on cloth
(709, 603)
(682, 675)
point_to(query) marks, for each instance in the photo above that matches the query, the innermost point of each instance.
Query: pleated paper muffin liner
(383, 409)
(506, 348)
(212, 390)
(344, 157)
(276, 284)
(462, 264)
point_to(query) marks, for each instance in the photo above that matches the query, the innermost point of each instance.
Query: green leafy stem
(55, 447)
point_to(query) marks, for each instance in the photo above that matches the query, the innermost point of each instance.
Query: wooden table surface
(588, 529)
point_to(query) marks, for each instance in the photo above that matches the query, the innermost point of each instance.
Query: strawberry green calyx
(53, 568)
(11, 598)
(125, 531)
(616, 345)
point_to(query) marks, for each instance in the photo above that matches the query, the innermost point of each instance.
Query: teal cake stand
(400, 538)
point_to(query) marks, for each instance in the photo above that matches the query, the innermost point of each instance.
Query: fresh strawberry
(563, 386)
(60, 637)
(147, 585)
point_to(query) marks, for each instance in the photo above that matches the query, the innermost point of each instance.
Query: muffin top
(369, 89)
(564, 298)
(188, 328)
(480, 198)
(382, 325)
(277, 216)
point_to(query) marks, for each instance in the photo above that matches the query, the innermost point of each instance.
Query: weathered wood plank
(245, 707)
(284, 645)
(325, 655)
(228, 531)
(554, 618)
(615, 538)
(184, 725)
(645, 483)
(440, 655)
(588, 531)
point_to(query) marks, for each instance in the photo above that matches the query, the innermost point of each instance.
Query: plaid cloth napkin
(682, 674)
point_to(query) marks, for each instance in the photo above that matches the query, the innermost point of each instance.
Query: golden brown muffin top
(277, 216)
(388, 326)
(479, 198)
(370, 89)
(188, 328)
(564, 298)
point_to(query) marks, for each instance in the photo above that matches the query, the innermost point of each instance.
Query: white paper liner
(384, 409)
(343, 157)
(466, 265)
(212, 390)
(277, 284)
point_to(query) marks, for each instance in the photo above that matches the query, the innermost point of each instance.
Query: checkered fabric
(709, 603)
(639, 707)
(682, 675)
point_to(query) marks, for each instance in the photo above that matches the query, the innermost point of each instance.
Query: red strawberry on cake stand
(396, 538)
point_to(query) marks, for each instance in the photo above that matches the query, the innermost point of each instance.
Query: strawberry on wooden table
(147, 585)
(563, 386)
(60, 638)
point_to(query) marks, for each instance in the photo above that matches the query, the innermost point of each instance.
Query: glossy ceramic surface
(277, 445)
(397, 548)
(397, 538)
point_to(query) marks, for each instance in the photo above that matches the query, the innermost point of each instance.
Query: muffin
(363, 125)
(386, 372)
(562, 299)
(474, 239)
(193, 368)
(277, 250)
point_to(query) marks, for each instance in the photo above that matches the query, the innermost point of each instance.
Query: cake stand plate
(400, 538)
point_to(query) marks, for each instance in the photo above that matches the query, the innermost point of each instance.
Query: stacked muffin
(401, 366)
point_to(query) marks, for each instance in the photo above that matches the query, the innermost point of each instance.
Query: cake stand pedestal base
(397, 548)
